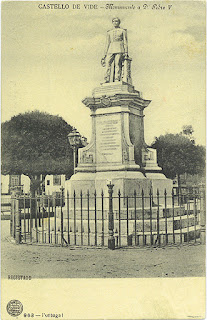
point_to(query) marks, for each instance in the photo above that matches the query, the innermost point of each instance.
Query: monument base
(117, 153)
(125, 182)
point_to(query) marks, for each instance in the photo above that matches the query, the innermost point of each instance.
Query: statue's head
(116, 22)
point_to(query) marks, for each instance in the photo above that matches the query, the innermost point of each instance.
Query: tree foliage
(177, 154)
(35, 143)
(187, 130)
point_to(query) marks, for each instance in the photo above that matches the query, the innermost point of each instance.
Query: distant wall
(5, 181)
(4, 184)
(53, 183)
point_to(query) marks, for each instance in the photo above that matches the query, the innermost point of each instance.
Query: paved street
(40, 261)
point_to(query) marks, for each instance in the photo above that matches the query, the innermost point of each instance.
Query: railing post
(119, 195)
(173, 212)
(15, 192)
(74, 216)
(95, 221)
(143, 224)
(102, 211)
(135, 216)
(12, 216)
(150, 199)
(158, 218)
(18, 221)
(81, 213)
(203, 215)
(111, 239)
(166, 234)
(88, 209)
(68, 216)
(61, 213)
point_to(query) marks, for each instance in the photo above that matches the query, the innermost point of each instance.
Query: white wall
(25, 182)
(4, 184)
(49, 189)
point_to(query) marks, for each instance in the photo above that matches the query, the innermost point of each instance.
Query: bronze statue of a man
(116, 50)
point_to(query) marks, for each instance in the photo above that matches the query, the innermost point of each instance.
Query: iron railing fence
(112, 220)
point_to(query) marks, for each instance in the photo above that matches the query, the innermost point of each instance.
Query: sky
(51, 60)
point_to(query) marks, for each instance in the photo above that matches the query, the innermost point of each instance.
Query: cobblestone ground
(89, 262)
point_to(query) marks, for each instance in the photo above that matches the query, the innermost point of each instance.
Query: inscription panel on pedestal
(108, 139)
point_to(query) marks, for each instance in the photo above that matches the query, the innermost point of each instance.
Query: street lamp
(74, 139)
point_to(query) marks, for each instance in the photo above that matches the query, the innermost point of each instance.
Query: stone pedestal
(117, 151)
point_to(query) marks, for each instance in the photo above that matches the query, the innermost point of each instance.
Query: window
(57, 180)
(15, 180)
(48, 182)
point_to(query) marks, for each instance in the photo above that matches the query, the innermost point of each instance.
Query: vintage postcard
(103, 210)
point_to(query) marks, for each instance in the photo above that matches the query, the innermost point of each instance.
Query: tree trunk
(34, 186)
(33, 202)
(35, 183)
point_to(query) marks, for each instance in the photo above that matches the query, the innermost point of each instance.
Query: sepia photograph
(103, 156)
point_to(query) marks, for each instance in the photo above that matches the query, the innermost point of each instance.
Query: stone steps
(178, 238)
(178, 211)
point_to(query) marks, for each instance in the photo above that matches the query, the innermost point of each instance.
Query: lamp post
(111, 239)
(74, 139)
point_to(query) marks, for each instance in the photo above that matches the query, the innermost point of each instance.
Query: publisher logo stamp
(14, 308)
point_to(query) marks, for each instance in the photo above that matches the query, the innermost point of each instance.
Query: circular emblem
(14, 308)
(106, 101)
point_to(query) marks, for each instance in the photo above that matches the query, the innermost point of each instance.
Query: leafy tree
(177, 154)
(35, 144)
